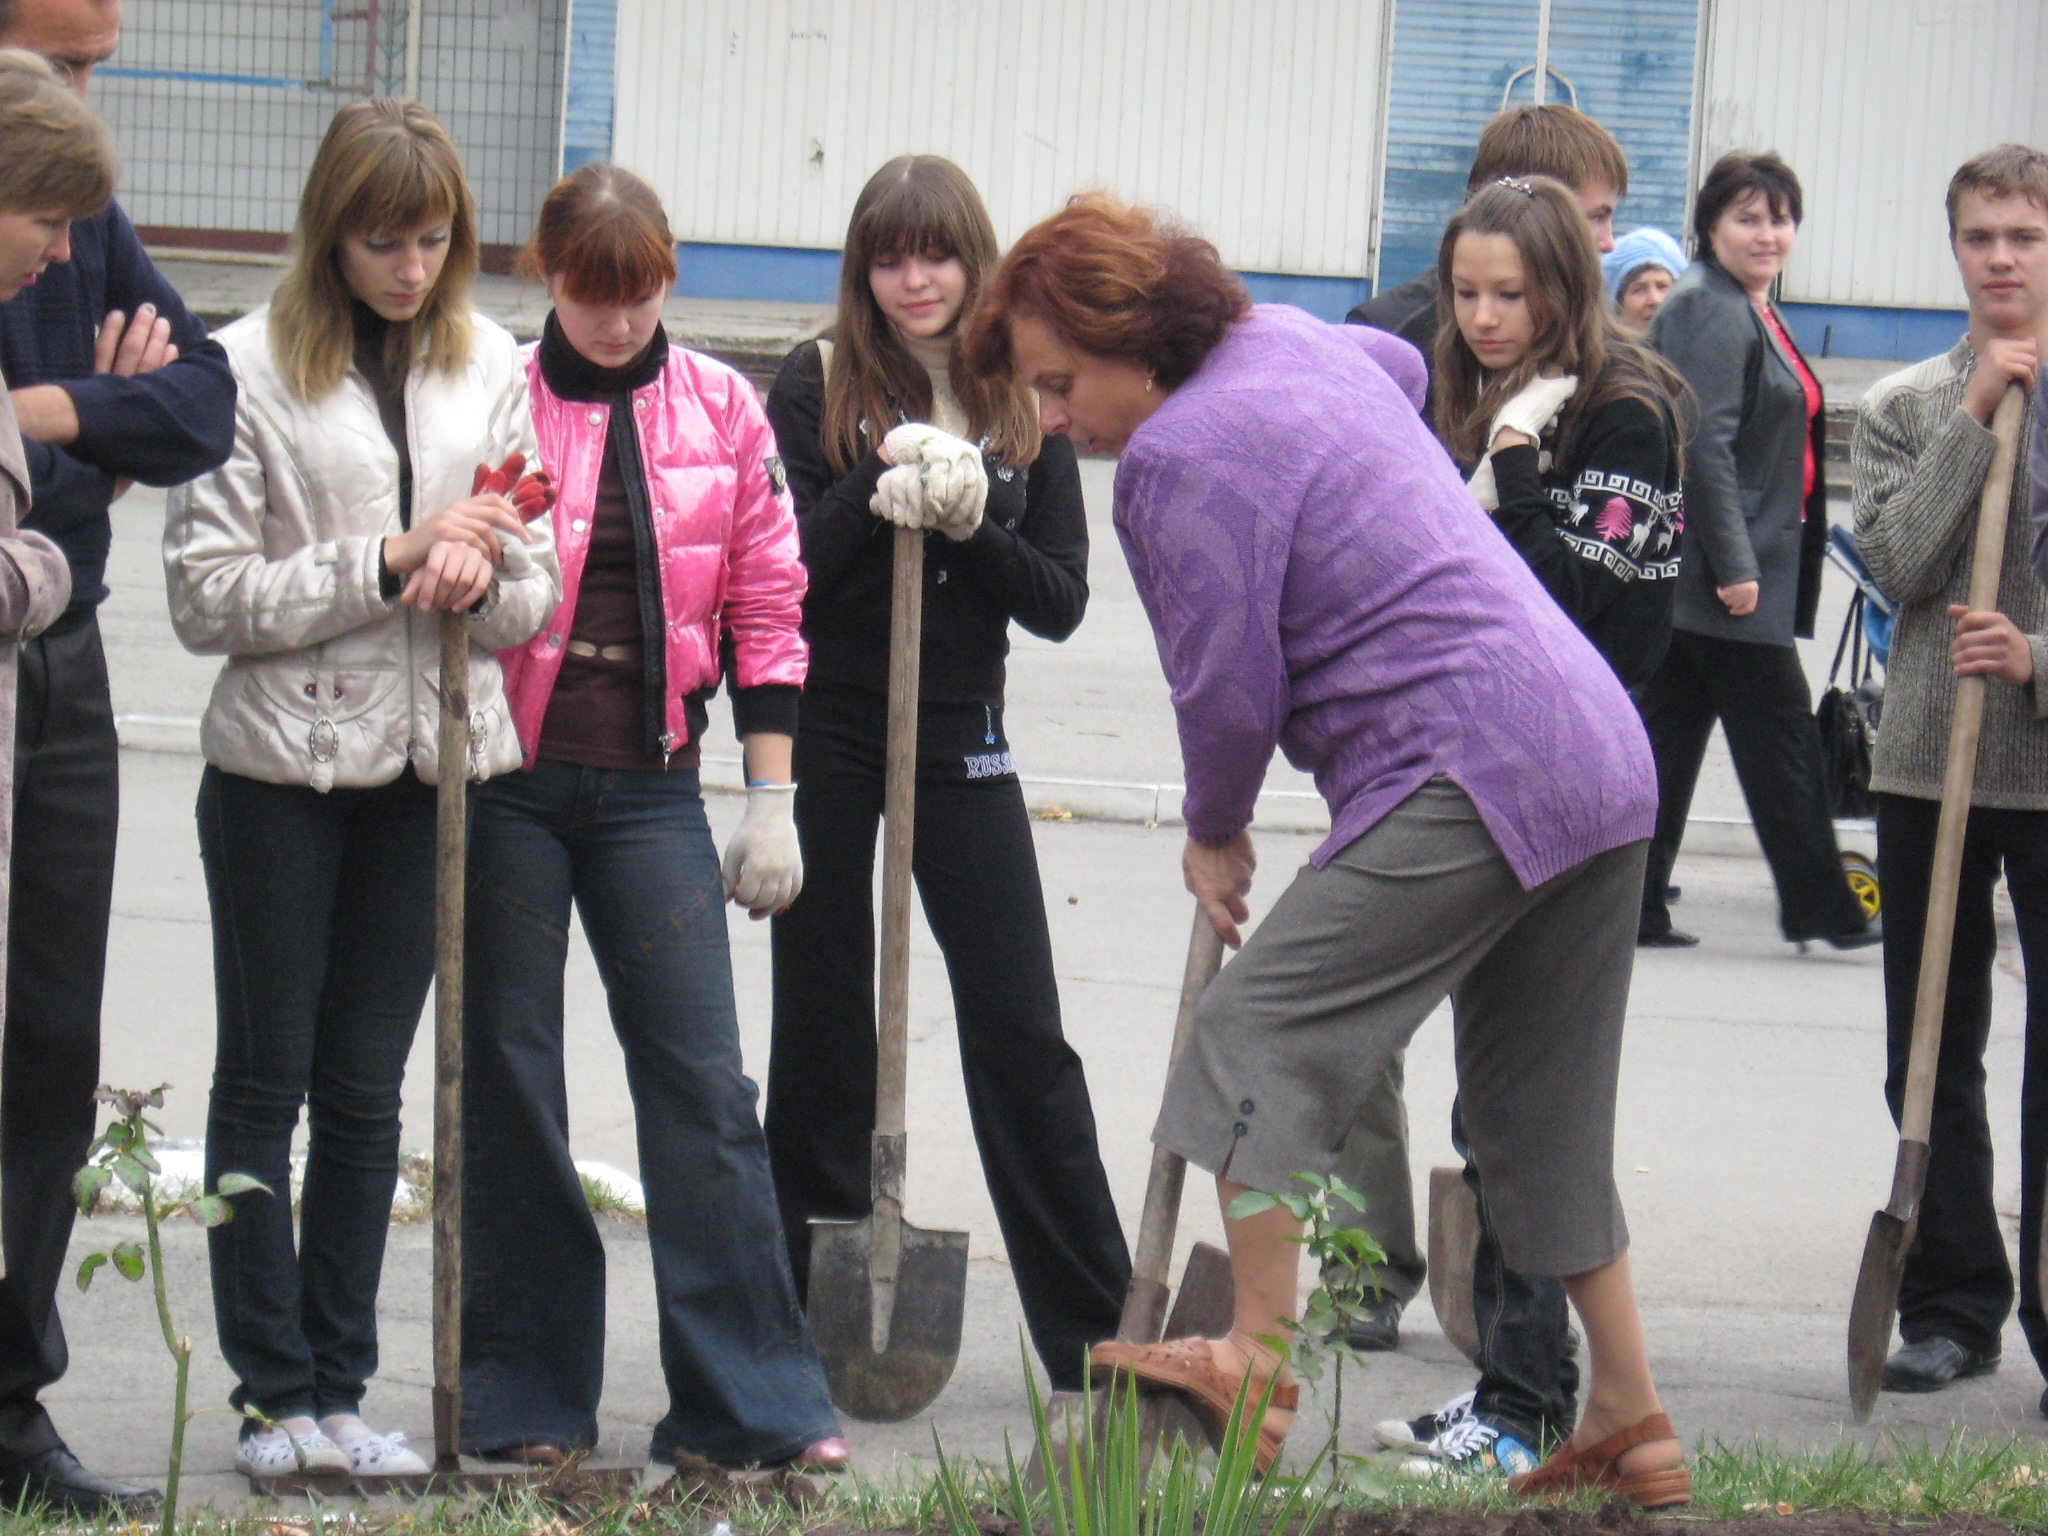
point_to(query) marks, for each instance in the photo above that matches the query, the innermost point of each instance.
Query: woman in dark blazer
(1756, 537)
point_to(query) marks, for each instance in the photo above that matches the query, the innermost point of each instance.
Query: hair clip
(1521, 184)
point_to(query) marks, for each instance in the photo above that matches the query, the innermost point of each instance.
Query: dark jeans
(1528, 1381)
(633, 853)
(1760, 696)
(1958, 1280)
(66, 806)
(323, 948)
(1027, 1098)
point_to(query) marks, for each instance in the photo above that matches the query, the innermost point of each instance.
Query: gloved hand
(1534, 408)
(899, 497)
(955, 480)
(1530, 411)
(763, 867)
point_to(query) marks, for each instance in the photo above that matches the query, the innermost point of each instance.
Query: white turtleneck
(932, 352)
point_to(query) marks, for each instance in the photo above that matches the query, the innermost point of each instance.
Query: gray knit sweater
(1917, 462)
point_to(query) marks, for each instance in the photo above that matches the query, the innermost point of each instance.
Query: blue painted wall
(587, 110)
(1857, 330)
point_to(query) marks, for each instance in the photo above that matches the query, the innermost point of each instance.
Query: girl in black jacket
(1570, 424)
(1015, 546)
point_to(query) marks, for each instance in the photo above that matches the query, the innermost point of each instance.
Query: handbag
(1847, 719)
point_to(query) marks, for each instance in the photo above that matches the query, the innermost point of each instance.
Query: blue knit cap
(1643, 247)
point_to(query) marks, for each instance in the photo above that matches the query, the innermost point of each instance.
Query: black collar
(572, 376)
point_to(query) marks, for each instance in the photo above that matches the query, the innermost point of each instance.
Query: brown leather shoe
(1188, 1366)
(1570, 1468)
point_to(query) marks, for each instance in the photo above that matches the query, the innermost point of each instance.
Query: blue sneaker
(1471, 1447)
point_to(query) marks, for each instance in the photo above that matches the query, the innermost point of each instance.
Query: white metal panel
(1874, 103)
(758, 120)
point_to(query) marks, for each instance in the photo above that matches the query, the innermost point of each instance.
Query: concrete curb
(1057, 799)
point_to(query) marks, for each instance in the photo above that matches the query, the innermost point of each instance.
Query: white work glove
(763, 866)
(1530, 411)
(950, 469)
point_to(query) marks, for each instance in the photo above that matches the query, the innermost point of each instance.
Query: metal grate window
(219, 105)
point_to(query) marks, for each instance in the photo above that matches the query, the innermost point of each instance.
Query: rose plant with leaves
(121, 1153)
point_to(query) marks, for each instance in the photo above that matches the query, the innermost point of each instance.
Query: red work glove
(498, 482)
(533, 496)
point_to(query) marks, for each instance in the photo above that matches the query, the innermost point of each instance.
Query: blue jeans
(633, 852)
(323, 947)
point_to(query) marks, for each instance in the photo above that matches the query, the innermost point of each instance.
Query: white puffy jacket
(272, 561)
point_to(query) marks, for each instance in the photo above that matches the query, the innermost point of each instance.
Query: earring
(1148, 382)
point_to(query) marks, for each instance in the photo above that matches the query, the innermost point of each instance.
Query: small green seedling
(121, 1153)
(1348, 1260)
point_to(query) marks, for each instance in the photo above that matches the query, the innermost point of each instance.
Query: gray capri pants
(1291, 1037)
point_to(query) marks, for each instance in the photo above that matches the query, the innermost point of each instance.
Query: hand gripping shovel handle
(1892, 1229)
(451, 838)
(892, 1056)
(1145, 1303)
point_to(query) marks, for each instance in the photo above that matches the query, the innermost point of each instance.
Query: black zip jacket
(1027, 561)
(161, 428)
(1601, 529)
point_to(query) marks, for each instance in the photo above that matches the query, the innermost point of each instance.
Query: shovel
(451, 856)
(886, 1298)
(1892, 1229)
(1208, 1295)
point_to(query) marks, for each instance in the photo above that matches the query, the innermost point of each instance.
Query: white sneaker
(1424, 1436)
(369, 1453)
(293, 1446)
(1471, 1448)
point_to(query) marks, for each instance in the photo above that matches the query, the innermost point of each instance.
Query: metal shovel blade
(1873, 1307)
(901, 1380)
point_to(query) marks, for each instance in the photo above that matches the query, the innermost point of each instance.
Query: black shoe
(1870, 933)
(1378, 1330)
(58, 1479)
(1934, 1362)
(1671, 894)
(1670, 938)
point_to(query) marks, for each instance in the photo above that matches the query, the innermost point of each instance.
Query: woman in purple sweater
(1318, 579)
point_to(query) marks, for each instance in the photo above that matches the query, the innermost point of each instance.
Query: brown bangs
(603, 232)
(921, 205)
(384, 168)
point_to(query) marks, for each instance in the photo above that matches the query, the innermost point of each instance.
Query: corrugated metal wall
(1874, 103)
(759, 120)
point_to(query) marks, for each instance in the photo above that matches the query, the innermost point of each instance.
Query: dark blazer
(1745, 459)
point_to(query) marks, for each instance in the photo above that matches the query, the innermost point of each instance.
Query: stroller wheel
(1862, 877)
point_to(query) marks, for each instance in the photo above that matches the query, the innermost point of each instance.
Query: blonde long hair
(385, 167)
(915, 205)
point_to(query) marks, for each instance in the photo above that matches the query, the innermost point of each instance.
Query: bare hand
(1220, 879)
(45, 413)
(474, 521)
(452, 576)
(1739, 599)
(1508, 437)
(1990, 645)
(127, 347)
(2002, 363)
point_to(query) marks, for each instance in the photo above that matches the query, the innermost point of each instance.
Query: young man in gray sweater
(1919, 456)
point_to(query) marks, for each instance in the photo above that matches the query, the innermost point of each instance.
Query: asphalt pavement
(1752, 1141)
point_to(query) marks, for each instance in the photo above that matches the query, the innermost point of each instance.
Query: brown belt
(591, 652)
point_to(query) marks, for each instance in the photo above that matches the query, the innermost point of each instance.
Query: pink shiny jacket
(724, 530)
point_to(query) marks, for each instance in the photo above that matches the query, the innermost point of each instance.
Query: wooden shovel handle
(1959, 780)
(1144, 1315)
(899, 799)
(451, 853)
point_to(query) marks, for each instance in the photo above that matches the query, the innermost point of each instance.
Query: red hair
(1116, 281)
(602, 231)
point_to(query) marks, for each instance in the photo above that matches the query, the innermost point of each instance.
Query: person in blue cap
(1640, 271)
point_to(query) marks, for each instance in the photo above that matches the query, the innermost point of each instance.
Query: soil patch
(1618, 1519)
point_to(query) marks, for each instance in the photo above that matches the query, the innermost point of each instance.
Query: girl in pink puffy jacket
(677, 542)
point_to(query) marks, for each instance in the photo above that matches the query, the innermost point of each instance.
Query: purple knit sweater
(1318, 578)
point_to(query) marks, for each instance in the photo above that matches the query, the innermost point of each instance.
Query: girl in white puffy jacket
(319, 560)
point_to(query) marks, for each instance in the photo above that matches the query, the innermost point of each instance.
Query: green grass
(1899, 1480)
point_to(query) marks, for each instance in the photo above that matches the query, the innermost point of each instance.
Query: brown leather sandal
(1569, 1468)
(1188, 1366)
